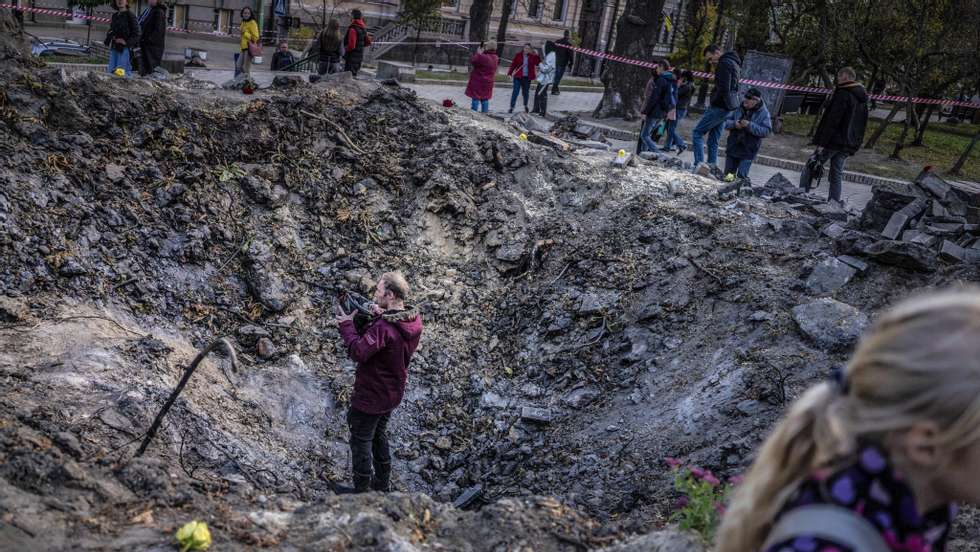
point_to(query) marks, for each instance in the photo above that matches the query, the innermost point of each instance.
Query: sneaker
(511, 110)
(703, 170)
(681, 149)
(526, 110)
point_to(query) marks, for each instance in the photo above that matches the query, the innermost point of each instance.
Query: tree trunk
(88, 23)
(881, 128)
(636, 34)
(909, 121)
(921, 132)
(505, 10)
(955, 171)
(415, 47)
(480, 11)
(590, 23)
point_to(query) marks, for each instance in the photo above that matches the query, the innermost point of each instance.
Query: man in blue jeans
(724, 100)
(685, 90)
(660, 101)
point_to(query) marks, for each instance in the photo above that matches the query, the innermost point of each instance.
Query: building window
(177, 16)
(534, 9)
(224, 21)
(450, 3)
(559, 13)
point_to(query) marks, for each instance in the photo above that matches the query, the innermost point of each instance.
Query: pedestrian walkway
(854, 194)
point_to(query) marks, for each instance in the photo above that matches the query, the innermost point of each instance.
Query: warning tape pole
(768, 84)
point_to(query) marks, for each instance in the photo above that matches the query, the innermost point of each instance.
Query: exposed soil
(140, 220)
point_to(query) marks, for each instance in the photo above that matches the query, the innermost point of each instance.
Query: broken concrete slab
(944, 228)
(469, 497)
(830, 275)
(833, 231)
(920, 237)
(830, 323)
(908, 255)
(580, 397)
(887, 199)
(896, 224)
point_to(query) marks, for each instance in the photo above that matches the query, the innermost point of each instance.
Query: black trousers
(541, 99)
(370, 455)
(352, 65)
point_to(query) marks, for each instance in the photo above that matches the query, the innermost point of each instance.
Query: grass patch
(942, 144)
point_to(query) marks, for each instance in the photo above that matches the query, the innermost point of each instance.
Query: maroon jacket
(382, 354)
(480, 86)
(515, 66)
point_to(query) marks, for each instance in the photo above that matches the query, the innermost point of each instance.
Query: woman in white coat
(545, 78)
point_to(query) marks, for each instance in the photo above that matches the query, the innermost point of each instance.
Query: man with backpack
(661, 99)
(357, 40)
(839, 134)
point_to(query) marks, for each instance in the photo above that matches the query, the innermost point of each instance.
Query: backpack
(831, 522)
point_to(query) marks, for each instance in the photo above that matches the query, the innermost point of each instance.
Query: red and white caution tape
(767, 84)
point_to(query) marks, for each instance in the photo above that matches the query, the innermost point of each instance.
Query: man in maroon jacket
(382, 352)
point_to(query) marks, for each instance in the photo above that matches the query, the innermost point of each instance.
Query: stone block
(833, 231)
(533, 414)
(907, 255)
(896, 224)
(469, 497)
(887, 198)
(951, 252)
(944, 228)
(932, 183)
(398, 71)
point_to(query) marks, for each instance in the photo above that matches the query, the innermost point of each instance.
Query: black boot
(382, 477)
(362, 484)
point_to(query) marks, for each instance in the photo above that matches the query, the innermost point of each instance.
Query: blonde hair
(395, 283)
(920, 362)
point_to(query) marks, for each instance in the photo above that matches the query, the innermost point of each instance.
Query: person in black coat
(153, 34)
(840, 132)
(564, 58)
(123, 36)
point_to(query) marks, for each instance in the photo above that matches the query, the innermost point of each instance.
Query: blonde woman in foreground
(874, 460)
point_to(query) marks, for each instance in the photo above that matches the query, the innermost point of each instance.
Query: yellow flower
(194, 535)
(119, 72)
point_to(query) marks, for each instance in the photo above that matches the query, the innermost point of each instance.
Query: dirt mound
(583, 320)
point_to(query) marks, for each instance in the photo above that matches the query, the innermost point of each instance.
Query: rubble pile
(581, 323)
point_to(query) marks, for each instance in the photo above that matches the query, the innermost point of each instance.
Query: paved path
(854, 194)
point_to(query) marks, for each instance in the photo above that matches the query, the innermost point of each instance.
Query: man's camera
(361, 307)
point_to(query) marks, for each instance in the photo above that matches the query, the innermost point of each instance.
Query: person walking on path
(685, 91)
(153, 36)
(382, 350)
(877, 457)
(479, 88)
(283, 57)
(659, 105)
(564, 58)
(840, 132)
(545, 77)
(357, 40)
(330, 49)
(746, 126)
(523, 69)
(724, 100)
(122, 37)
(248, 42)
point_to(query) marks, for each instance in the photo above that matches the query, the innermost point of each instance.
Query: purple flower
(672, 462)
(710, 479)
(681, 502)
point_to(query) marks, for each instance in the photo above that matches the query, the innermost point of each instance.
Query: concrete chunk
(830, 275)
(533, 414)
(829, 323)
(895, 225)
(933, 184)
(833, 231)
(468, 497)
(944, 228)
(951, 252)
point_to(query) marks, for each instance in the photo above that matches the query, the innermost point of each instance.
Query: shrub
(702, 499)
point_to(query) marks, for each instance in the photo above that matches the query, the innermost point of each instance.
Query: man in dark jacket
(660, 101)
(382, 350)
(357, 40)
(724, 100)
(153, 35)
(685, 91)
(564, 58)
(747, 126)
(840, 132)
(122, 37)
(283, 57)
